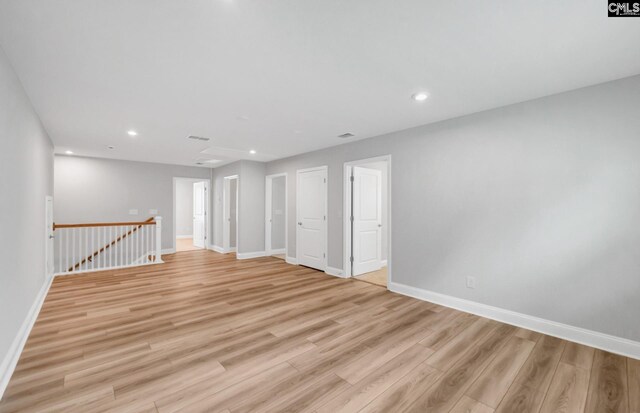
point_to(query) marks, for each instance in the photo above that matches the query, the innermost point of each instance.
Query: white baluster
(59, 239)
(146, 254)
(93, 247)
(159, 239)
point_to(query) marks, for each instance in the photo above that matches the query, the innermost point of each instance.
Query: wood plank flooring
(207, 333)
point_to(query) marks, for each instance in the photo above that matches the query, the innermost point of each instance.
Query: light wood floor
(207, 333)
(186, 244)
(375, 277)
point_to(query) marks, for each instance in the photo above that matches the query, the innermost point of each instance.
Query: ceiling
(283, 77)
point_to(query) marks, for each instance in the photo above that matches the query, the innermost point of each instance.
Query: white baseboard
(278, 251)
(11, 359)
(215, 248)
(184, 236)
(249, 255)
(383, 263)
(291, 260)
(336, 272)
(590, 338)
(168, 251)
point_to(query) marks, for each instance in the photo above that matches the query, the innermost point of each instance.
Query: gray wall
(26, 178)
(251, 201)
(539, 201)
(218, 192)
(104, 190)
(278, 204)
(252, 198)
(184, 207)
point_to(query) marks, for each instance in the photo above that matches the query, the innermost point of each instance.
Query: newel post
(158, 257)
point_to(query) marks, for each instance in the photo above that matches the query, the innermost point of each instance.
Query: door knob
(299, 223)
(52, 236)
(379, 225)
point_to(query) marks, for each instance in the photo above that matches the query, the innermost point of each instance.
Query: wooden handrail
(150, 221)
(137, 225)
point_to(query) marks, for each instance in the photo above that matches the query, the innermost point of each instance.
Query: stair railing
(106, 245)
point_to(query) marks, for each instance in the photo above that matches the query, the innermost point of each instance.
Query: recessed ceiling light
(252, 152)
(346, 135)
(111, 147)
(420, 96)
(132, 133)
(68, 152)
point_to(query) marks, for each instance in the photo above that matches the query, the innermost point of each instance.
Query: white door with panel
(199, 214)
(367, 220)
(311, 211)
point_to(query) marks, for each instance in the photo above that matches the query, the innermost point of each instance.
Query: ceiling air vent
(197, 138)
(346, 135)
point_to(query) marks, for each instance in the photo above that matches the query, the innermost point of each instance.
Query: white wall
(539, 201)
(26, 178)
(184, 207)
(104, 190)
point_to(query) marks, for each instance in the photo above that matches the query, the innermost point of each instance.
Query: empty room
(319, 206)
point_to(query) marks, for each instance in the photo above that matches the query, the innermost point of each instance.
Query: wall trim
(291, 260)
(168, 251)
(249, 255)
(11, 359)
(215, 248)
(336, 272)
(613, 344)
(278, 251)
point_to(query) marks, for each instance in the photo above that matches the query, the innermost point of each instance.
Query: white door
(367, 220)
(312, 218)
(230, 214)
(49, 234)
(199, 214)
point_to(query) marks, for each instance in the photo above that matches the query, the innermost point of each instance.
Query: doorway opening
(311, 214)
(190, 214)
(367, 220)
(275, 238)
(230, 213)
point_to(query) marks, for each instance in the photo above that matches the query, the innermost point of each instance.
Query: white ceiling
(285, 77)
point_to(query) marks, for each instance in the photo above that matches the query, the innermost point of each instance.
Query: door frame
(48, 244)
(226, 225)
(324, 168)
(267, 213)
(207, 229)
(347, 198)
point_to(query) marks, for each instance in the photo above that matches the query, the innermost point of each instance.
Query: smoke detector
(346, 135)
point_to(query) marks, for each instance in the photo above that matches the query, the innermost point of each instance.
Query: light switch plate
(471, 282)
(153, 211)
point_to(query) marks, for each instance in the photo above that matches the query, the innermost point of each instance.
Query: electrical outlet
(471, 282)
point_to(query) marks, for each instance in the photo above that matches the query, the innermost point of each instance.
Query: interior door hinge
(324, 255)
(351, 178)
(351, 218)
(351, 259)
(325, 180)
